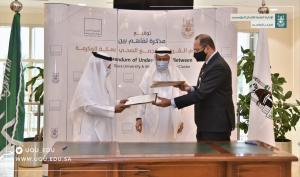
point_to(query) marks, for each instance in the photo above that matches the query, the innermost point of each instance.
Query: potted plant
(285, 115)
(37, 90)
(35, 144)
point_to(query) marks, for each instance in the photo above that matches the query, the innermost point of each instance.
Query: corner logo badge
(280, 20)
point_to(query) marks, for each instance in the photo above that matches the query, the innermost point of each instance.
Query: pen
(251, 143)
(64, 148)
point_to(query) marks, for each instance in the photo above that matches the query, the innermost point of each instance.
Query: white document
(141, 99)
(166, 83)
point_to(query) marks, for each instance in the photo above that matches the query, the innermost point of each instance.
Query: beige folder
(166, 83)
(141, 99)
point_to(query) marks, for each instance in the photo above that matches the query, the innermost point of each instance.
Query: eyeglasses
(198, 50)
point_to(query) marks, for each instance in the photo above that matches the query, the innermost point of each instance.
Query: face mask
(108, 71)
(200, 56)
(162, 65)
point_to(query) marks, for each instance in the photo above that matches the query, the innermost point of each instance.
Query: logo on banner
(93, 27)
(187, 28)
(54, 133)
(280, 20)
(262, 96)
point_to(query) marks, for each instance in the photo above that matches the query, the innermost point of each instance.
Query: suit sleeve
(208, 85)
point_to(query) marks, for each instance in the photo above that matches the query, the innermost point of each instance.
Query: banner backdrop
(73, 32)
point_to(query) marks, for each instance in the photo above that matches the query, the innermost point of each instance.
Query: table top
(68, 152)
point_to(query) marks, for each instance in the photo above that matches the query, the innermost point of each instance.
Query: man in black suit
(212, 97)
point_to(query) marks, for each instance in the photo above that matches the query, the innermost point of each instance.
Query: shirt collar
(211, 56)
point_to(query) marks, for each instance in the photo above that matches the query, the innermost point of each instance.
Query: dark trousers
(213, 136)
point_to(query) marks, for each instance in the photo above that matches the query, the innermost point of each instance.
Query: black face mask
(200, 56)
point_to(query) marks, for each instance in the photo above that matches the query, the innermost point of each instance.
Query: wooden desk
(207, 159)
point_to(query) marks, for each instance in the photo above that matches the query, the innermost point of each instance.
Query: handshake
(164, 102)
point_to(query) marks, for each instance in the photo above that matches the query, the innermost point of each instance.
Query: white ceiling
(244, 6)
(40, 3)
(36, 6)
(251, 6)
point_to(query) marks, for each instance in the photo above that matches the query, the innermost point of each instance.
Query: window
(247, 41)
(32, 48)
(4, 36)
(37, 49)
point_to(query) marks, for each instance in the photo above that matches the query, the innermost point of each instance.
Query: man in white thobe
(160, 124)
(93, 105)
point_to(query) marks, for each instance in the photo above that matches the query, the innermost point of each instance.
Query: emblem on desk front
(187, 30)
(262, 96)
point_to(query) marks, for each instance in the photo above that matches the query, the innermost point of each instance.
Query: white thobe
(159, 124)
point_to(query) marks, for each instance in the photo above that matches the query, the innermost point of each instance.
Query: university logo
(262, 96)
(187, 30)
(280, 20)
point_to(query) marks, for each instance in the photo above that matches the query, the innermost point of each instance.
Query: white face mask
(162, 65)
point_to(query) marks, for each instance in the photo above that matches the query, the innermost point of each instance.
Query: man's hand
(121, 106)
(184, 87)
(180, 128)
(163, 102)
(139, 125)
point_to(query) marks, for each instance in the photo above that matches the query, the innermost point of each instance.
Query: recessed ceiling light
(81, 4)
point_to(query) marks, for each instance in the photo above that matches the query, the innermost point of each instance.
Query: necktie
(200, 75)
(202, 68)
